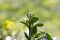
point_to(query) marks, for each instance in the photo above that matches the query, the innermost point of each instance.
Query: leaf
(48, 36)
(39, 25)
(37, 35)
(30, 15)
(26, 35)
(39, 39)
(34, 19)
(24, 23)
(33, 31)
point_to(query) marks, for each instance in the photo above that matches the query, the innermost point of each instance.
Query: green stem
(29, 33)
(30, 27)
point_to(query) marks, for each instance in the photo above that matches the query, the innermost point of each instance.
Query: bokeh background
(12, 11)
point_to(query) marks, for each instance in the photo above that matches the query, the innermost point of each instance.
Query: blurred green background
(12, 11)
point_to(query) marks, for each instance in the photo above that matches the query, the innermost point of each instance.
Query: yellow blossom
(9, 24)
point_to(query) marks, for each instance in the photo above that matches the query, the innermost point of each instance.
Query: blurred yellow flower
(9, 24)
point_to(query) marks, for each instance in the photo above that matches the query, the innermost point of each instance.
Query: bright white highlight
(8, 38)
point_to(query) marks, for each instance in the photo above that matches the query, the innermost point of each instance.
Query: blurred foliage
(48, 12)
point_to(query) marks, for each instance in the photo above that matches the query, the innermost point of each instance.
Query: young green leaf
(26, 36)
(34, 19)
(39, 25)
(33, 31)
(39, 39)
(48, 36)
(30, 15)
(24, 23)
(37, 35)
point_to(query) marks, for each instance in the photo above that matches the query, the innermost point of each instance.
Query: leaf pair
(34, 29)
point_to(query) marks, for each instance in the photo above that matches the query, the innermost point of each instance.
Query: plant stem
(29, 33)
(30, 28)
